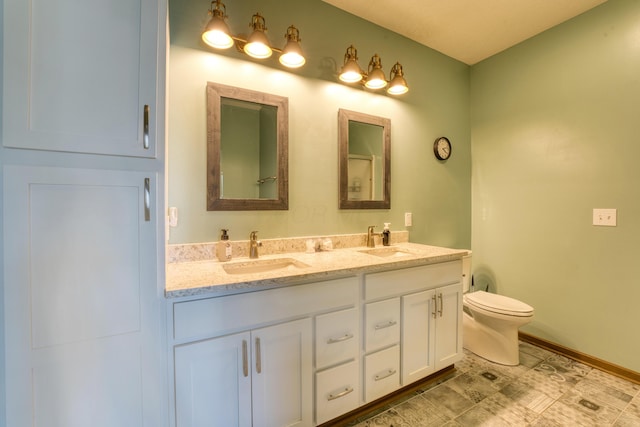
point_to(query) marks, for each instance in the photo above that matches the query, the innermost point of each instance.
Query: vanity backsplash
(207, 251)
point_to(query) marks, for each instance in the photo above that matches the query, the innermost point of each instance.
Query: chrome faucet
(253, 245)
(371, 243)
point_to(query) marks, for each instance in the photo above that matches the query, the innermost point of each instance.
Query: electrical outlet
(605, 217)
(408, 219)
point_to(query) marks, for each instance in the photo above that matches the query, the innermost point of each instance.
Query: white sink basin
(263, 266)
(387, 252)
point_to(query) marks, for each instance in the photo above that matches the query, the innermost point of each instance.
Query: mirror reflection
(364, 145)
(247, 135)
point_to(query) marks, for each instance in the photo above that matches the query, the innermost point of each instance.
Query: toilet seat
(498, 304)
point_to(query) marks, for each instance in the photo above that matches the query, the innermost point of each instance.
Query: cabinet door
(282, 375)
(448, 325)
(83, 314)
(78, 75)
(418, 335)
(213, 383)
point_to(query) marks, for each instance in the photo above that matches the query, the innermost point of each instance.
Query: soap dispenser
(223, 248)
(386, 234)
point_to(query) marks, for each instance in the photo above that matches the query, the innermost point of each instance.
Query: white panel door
(449, 325)
(282, 375)
(78, 74)
(213, 382)
(84, 318)
(418, 336)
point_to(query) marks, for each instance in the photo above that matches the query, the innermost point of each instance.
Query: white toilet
(490, 322)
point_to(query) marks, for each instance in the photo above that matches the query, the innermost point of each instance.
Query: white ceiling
(467, 30)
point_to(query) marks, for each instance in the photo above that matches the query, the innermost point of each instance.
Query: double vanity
(296, 338)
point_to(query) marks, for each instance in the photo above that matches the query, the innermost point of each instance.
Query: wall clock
(442, 148)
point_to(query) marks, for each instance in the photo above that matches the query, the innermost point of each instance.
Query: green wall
(555, 133)
(438, 194)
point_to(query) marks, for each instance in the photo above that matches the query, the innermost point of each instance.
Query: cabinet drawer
(337, 391)
(381, 373)
(336, 337)
(407, 280)
(382, 323)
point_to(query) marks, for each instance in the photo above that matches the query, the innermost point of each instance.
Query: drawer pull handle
(434, 306)
(147, 199)
(385, 375)
(441, 305)
(145, 127)
(342, 338)
(341, 394)
(245, 359)
(258, 357)
(388, 324)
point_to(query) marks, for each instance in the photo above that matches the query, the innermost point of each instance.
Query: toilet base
(498, 347)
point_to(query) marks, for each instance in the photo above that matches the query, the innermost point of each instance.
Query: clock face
(442, 148)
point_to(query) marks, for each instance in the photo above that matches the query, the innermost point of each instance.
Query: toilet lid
(499, 304)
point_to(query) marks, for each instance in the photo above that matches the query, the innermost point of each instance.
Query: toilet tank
(466, 272)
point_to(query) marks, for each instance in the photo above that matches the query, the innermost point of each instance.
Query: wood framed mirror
(247, 149)
(364, 147)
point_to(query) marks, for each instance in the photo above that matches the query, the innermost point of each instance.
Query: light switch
(173, 217)
(408, 219)
(605, 217)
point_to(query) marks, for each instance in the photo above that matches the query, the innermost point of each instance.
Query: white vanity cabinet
(260, 377)
(303, 355)
(430, 315)
(248, 359)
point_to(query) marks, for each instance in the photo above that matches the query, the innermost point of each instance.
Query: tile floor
(545, 390)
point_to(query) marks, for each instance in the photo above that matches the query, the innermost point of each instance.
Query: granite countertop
(209, 278)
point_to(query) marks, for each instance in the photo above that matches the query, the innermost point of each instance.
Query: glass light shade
(376, 79)
(351, 71)
(216, 33)
(292, 56)
(397, 85)
(258, 44)
(375, 76)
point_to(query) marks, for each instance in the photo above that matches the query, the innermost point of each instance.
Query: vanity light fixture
(217, 35)
(374, 78)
